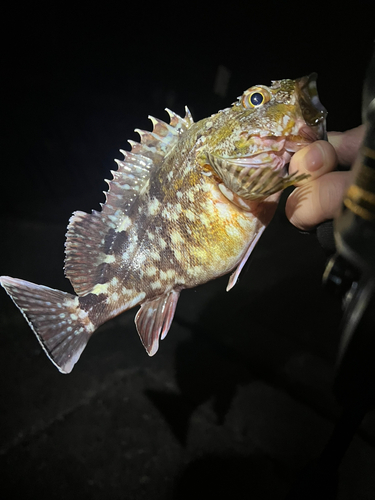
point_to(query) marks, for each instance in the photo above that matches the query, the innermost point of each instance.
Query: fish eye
(255, 97)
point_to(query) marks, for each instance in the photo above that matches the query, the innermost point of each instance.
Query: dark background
(239, 395)
(79, 80)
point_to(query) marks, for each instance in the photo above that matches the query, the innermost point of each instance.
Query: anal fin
(154, 319)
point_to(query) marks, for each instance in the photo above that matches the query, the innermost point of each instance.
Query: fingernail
(314, 158)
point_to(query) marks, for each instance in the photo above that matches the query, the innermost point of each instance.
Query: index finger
(347, 144)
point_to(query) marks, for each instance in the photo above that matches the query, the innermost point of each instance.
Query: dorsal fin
(156, 144)
(86, 236)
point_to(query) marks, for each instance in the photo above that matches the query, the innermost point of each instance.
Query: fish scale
(186, 205)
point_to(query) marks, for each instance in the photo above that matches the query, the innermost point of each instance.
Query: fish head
(262, 130)
(297, 100)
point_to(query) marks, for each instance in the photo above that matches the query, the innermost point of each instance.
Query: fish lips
(313, 111)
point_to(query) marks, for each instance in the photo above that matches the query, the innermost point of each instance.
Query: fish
(187, 204)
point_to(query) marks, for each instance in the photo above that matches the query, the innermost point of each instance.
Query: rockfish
(186, 205)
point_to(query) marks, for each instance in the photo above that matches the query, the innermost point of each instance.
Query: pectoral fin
(154, 319)
(234, 276)
(251, 182)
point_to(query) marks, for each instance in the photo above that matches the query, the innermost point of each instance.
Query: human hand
(320, 197)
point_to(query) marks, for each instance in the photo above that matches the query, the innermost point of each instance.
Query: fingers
(319, 198)
(317, 201)
(347, 144)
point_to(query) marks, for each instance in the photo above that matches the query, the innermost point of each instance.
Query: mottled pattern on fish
(186, 205)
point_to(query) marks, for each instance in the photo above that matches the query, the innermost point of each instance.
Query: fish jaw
(313, 111)
(310, 125)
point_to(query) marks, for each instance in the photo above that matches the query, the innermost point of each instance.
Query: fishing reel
(350, 273)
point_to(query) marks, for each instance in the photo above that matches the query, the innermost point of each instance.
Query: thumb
(315, 160)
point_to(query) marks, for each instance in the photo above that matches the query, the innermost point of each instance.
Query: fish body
(186, 205)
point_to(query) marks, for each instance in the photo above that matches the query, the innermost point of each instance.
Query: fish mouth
(311, 124)
(313, 111)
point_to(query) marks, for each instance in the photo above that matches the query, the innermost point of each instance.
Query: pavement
(236, 403)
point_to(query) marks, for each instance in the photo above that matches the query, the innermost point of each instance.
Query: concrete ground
(235, 404)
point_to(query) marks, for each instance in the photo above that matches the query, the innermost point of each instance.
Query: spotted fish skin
(186, 205)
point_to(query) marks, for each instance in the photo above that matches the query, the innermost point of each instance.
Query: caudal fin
(61, 327)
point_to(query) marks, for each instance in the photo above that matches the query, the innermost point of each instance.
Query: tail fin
(62, 328)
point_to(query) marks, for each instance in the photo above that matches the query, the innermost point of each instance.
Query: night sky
(78, 81)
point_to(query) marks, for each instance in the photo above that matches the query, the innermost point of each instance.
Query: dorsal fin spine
(188, 118)
(174, 119)
(150, 138)
(160, 126)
